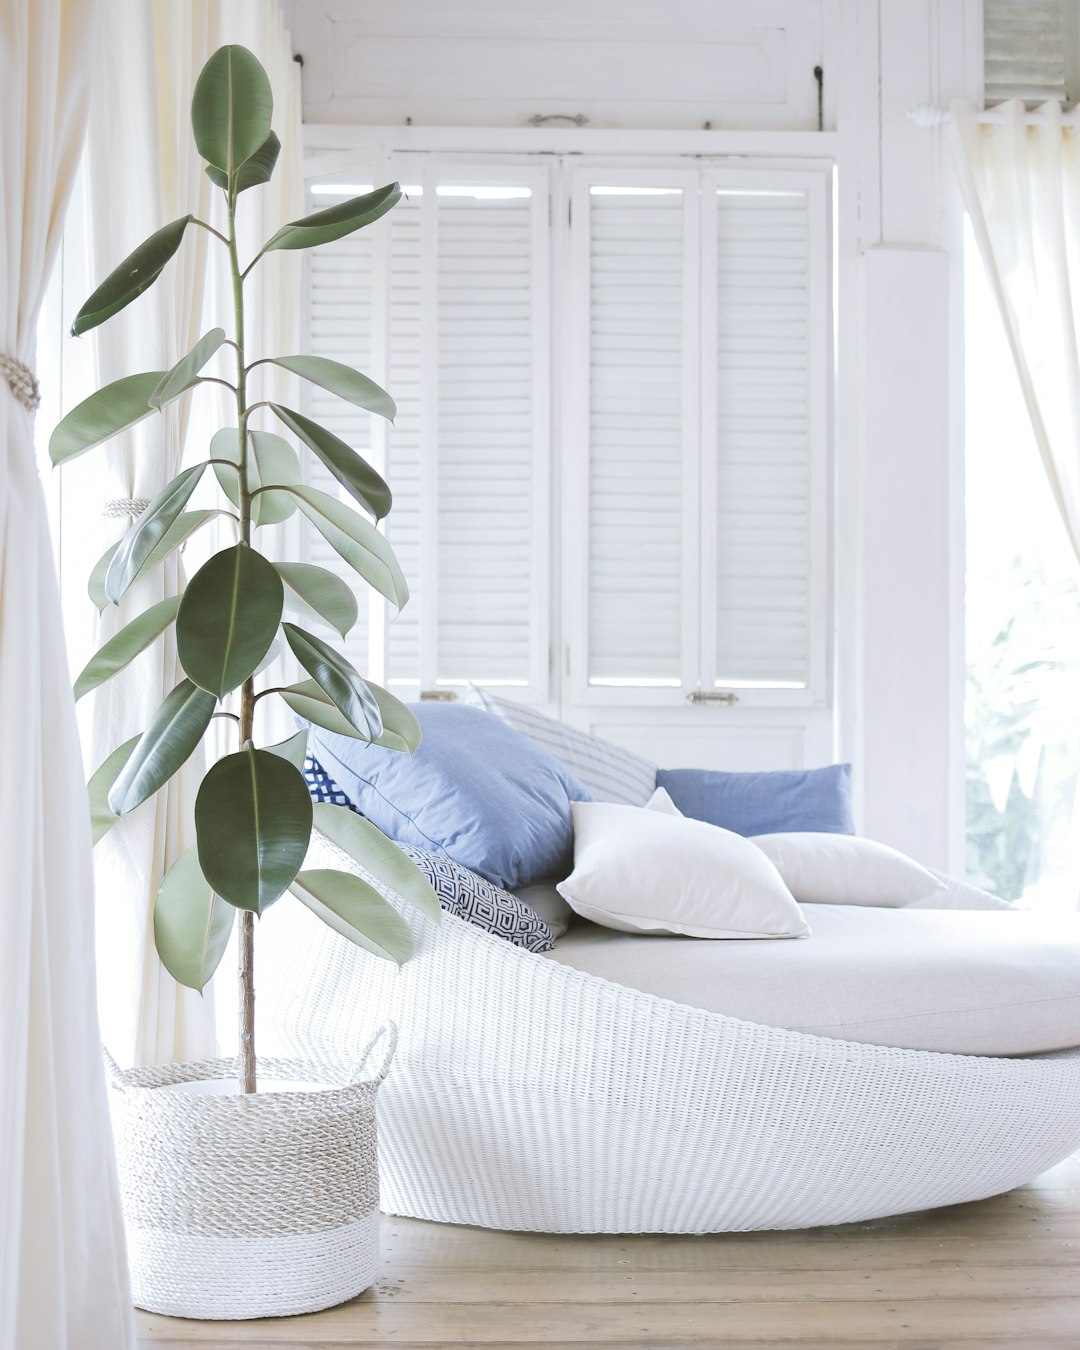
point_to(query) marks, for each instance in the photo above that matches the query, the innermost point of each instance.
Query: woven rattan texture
(527, 1095)
(268, 1164)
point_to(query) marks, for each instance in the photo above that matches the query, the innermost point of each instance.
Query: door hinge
(713, 697)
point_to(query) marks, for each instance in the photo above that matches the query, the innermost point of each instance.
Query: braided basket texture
(249, 1206)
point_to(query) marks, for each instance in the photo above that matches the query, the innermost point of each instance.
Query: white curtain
(1021, 185)
(63, 1273)
(143, 171)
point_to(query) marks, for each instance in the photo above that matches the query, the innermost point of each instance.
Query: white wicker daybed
(528, 1095)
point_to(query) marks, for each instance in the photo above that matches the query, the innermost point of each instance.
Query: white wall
(631, 64)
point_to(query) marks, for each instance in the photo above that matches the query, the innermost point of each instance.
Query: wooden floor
(1003, 1272)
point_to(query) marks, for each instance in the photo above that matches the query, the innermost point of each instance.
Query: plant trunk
(247, 691)
(247, 1002)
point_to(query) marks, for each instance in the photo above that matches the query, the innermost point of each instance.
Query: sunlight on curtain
(1022, 635)
(63, 1275)
(1020, 182)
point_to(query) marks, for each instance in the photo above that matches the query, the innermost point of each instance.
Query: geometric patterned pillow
(481, 902)
(460, 891)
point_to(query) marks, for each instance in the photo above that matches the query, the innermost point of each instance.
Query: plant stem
(247, 692)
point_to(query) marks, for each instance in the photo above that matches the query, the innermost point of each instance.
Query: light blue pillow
(814, 800)
(476, 791)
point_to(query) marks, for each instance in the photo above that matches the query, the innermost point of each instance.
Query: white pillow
(649, 872)
(661, 801)
(841, 869)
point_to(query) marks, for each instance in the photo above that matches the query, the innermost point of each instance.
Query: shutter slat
(763, 446)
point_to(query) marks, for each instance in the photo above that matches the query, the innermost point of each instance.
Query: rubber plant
(253, 812)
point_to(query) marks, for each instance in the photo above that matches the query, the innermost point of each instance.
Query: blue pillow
(815, 800)
(475, 790)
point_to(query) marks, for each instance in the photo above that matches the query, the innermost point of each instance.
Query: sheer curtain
(1021, 185)
(144, 170)
(63, 1274)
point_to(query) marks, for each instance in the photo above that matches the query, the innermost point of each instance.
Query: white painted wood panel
(617, 62)
(907, 643)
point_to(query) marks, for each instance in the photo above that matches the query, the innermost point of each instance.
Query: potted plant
(240, 1203)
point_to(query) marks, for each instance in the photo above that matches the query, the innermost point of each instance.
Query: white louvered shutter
(341, 298)
(634, 244)
(762, 428)
(1030, 50)
(701, 395)
(456, 321)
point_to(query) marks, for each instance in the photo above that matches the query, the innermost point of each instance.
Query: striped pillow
(610, 773)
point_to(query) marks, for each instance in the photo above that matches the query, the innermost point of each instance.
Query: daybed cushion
(475, 790)
(611, 773)
(842, 869)
(969, 982)
(645, 871)
(764, 803)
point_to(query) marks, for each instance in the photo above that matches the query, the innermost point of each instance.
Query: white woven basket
(262, 1205)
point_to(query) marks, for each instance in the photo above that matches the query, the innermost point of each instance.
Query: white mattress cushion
(646, 871)
(982, 982)
(843, 869)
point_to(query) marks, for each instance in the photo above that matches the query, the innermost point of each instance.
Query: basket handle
(113, 1072)
(388, 1033)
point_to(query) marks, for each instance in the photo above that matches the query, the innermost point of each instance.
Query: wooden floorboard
(1001, 1273)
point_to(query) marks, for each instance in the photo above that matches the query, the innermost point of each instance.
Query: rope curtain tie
(22, 382)
(119, 507)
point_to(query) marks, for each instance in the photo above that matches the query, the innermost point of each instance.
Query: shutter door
(341, 285)
(636, 432)
(488, 356)
(762, 456)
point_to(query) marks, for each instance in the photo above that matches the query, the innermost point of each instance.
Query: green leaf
(294, 749)
(378, 855)
(319, 593)
(338, 678)
(231, 108)
(353, 473)
(149, 531)
(186, 523)
(357, 911)
(125, 645)
(256, 169)
(191, 924)
(341, 380)
(401, 730)
(174, 731)
(184, 374)
(271, 459)
(253, 818)
(102, 816)
(95, 587)
(336, 221)
(228, 617)
(108, 412)
(137, 273)
(358, 542)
